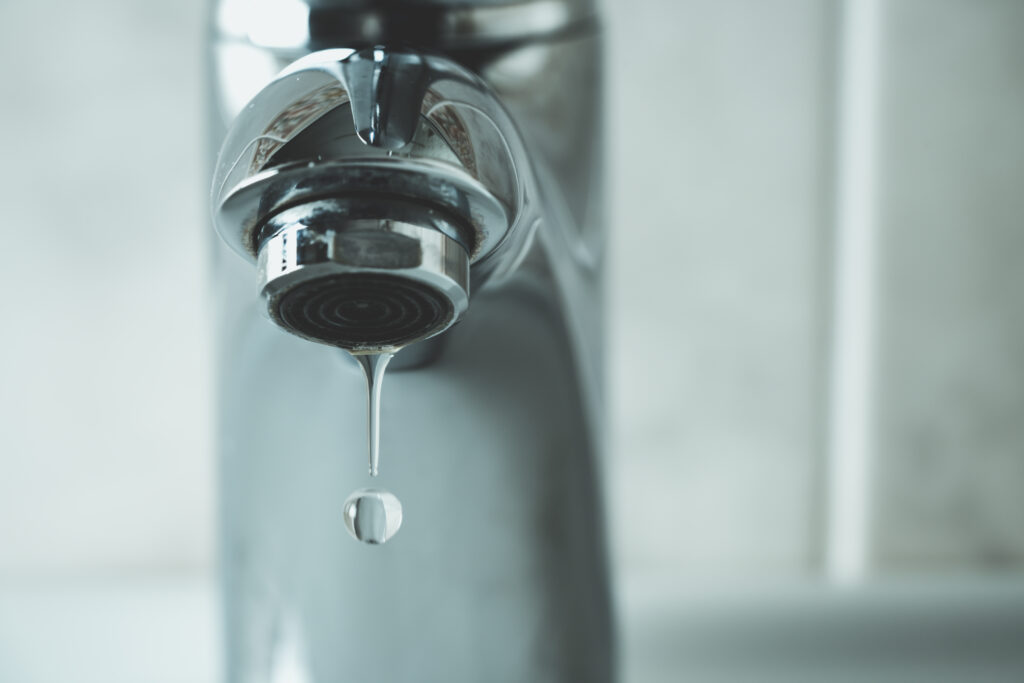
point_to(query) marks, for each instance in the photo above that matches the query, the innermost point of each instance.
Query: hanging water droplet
(372, 516)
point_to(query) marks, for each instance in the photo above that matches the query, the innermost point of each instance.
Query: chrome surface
(301, 25)
(376, 122)
(451, 170)
(346, 145)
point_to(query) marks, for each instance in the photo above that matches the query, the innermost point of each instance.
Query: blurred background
(817, 341)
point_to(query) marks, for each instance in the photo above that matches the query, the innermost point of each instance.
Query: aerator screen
(362, 310)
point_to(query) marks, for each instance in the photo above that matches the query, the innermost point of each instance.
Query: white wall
(721, 183)
(950, 472)
(105, 462)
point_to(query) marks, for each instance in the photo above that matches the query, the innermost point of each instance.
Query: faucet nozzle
(363, 284)
(364, 184)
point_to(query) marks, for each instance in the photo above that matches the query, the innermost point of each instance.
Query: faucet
(417, 178)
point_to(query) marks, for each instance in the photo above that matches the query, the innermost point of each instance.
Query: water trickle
(372, 516)
(373, 365)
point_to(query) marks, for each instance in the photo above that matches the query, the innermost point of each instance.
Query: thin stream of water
(372, 515)
(374, 365)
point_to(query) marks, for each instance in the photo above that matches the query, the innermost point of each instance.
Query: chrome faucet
(392, 169)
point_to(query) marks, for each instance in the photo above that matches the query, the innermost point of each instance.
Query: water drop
(373, 365)
(372, 516)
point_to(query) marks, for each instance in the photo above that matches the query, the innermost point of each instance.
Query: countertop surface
(164, 630)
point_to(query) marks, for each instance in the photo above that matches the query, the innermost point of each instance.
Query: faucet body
(492, 431)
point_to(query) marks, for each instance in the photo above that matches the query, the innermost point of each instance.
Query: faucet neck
(299, 26)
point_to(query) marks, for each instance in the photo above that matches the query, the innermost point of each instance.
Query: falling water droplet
(372, 516)
(373, 365)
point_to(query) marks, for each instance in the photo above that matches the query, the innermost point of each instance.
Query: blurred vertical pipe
(850, 443)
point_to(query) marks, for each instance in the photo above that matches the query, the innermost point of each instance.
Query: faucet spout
(371, 187)
(387, 91)
(416, 164)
